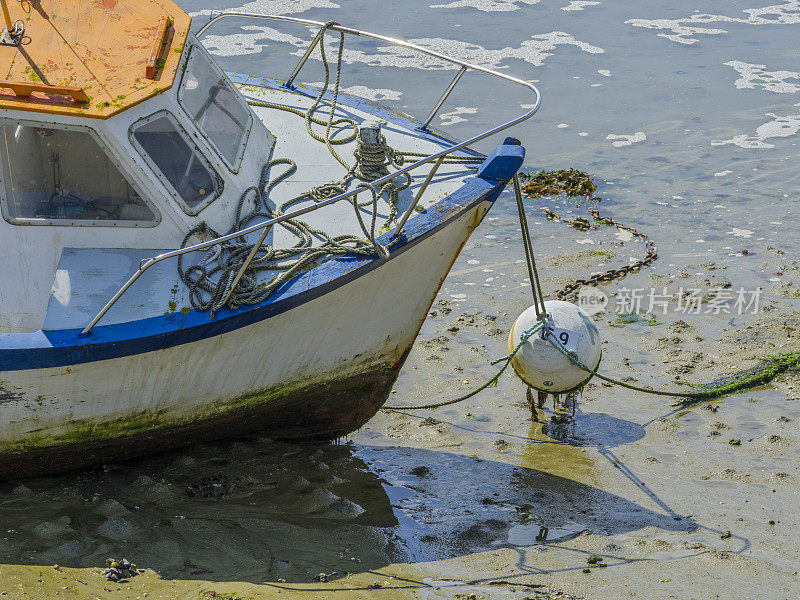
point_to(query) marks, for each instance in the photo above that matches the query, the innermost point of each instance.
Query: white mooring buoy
(543, 366)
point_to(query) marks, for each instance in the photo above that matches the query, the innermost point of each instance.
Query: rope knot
(372, 159)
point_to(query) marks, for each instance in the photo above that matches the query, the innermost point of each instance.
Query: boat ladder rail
(436, 157)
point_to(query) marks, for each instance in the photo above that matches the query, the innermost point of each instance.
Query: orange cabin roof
(90, 58)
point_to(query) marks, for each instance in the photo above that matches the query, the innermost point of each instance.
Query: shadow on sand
(259, 511)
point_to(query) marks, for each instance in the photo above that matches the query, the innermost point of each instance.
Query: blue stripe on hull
(45, 349)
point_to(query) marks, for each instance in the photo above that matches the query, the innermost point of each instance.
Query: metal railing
(437, 157)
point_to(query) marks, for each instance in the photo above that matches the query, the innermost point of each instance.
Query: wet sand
(454, 502)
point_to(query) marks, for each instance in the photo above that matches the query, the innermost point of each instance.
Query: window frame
(156, 170)
(112, 157)
(236, 165)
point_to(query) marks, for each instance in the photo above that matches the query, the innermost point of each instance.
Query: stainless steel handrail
(445, 95)
(437, 156)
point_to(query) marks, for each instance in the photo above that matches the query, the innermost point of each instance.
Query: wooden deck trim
(24, 89)
(151, 66)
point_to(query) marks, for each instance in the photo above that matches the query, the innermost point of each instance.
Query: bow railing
(436, 157)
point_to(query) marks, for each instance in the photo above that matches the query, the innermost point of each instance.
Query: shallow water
(268, 510)
(694, 130)
(689, 118)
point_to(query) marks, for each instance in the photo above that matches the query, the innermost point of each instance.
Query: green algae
(628, 318)
(770, 368)
(86, 431)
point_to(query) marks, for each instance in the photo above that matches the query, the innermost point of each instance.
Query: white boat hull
(318, 370)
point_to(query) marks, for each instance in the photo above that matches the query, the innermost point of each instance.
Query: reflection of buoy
(543, 366)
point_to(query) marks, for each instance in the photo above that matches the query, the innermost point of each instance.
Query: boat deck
(87, 278)
(315, 165)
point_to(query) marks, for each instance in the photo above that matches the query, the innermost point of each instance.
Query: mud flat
(473, 500)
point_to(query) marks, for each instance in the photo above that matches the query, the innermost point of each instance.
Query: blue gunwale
(55, 348)
(64, 347)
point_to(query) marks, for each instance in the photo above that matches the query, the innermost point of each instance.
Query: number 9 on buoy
(540, 364)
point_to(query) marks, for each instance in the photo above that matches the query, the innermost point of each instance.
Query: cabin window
(164, 144)
(215, 106)
(56, 176)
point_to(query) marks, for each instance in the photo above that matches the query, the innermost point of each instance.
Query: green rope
(371, 160)
(491, 383)
(210, 281)
(332, 113)
(775, 366)
(303, 113)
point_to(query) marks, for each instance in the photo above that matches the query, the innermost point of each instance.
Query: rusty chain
(583, 224)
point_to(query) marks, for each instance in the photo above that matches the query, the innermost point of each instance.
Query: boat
(191, 255)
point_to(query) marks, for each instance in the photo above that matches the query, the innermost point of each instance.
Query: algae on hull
(313, 408)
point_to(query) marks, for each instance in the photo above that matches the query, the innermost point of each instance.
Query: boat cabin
(113, 119)
(121, 139)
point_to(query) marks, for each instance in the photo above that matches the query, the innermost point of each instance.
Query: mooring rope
(776, 365)
(490, 383)
(576, 183)
(533, 273)
(210, 281)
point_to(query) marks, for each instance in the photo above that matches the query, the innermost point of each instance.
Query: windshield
(215, 106)
(185, 169)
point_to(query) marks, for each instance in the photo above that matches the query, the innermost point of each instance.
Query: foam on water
(362, 91)
(685, 28)
(757, 76)
(578, 5)
(736, 232)
(249, 42)
(487, 5)
(534, 50)
(274, 7)
(778, 127)
(624, 139)
(454, 116)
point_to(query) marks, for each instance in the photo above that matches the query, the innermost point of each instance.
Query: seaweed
(769, 368)
(563, 182)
